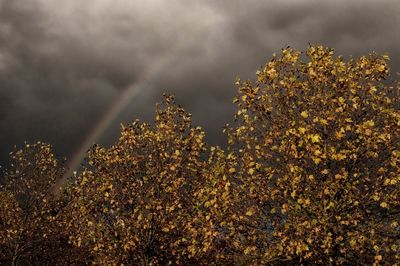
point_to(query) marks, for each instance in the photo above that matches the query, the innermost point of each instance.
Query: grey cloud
(63, 63)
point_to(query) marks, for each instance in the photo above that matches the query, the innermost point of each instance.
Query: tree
(28, 212)
(133, 203)
(318, 145)
(310, 175)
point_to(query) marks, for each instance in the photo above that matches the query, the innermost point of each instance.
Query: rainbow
(115, 109)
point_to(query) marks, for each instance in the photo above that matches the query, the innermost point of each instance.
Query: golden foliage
(29, 227)
(326, 133)
(310, 176)
(134, 203)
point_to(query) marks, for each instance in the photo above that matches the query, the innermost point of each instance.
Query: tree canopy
(310, 175)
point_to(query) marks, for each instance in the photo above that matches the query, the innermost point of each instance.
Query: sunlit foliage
(134, 202)
(310, 176)
(318, 144)
(29, 232)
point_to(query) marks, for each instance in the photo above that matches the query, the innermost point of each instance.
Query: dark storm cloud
(62, 64)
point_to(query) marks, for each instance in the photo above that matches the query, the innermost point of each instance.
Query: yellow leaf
(324, 121)
(370, 123)
(316, 160)
(317, 152)
(232, 170)
(384, 205)
(302, 130)
(304, 114)
(272, 73)
(341, 156)
(330, 205)
(315, 138)
(249, 213)
(247, 250)
(84, 180)
(300, 201)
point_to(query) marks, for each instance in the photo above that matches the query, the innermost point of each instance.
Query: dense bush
(310, 175)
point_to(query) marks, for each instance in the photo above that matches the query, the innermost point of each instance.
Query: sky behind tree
(65, 64)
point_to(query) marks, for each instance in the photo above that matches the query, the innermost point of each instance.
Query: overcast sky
(63, 63)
